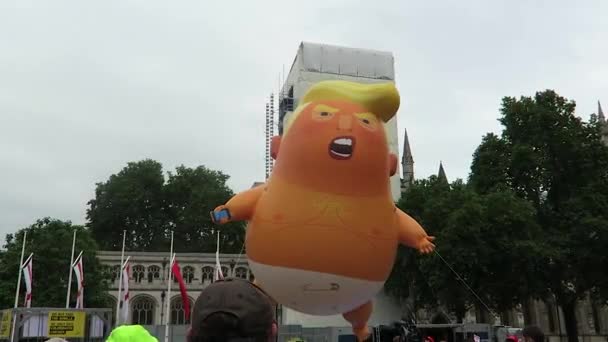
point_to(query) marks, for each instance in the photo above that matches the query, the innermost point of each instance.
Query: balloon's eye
(324, 114)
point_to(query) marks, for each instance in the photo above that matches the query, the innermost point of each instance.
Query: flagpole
(122, 257)
(67, 299)
(77, 280)
(20, 266)
(218, 265)
(19, 270)
(125, 304)
(171, 259)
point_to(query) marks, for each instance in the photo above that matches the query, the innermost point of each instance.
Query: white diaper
(314, 293)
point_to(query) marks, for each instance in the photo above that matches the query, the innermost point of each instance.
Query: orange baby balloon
(323, 231)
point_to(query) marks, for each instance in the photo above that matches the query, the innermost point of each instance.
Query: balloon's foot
(362, 333)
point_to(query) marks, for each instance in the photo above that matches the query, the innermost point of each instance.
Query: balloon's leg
(358, 318)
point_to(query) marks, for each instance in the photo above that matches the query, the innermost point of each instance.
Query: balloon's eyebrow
(325, 108)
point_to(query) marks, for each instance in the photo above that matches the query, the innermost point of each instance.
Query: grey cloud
(86, 87)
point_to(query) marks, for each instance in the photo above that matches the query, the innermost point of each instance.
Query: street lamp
(232, 264)
(165, 262)
(162, 294)
(162, 307)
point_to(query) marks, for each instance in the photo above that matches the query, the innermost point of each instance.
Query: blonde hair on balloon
(381, 99)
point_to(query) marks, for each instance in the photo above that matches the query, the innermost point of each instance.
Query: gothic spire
(407, 164)
(407, 151)
(600, 113)
(441, 174)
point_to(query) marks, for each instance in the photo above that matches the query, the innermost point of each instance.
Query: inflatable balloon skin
(323, 231)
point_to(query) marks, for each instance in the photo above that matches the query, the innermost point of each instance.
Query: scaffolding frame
(269, 134)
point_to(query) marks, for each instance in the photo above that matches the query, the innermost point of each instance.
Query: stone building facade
(148, 282)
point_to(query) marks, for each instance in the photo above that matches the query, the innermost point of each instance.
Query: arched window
(207, 274)
(153, 273)
(251, 276)
(188, 274)
(178, 314)
(115, 273)
(240, 272)
(139, 272)
(143, 308)
(551, 319)
(225, 271)
(111, 302)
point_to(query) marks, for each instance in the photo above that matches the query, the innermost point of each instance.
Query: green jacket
(131, 333)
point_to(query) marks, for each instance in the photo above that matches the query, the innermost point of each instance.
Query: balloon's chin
(314, 293)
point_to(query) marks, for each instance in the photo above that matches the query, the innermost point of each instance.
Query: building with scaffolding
(320, 62)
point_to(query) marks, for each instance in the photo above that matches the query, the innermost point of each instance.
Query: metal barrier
(287, 333)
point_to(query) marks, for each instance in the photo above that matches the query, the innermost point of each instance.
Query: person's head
(232, 310)
(532, 333)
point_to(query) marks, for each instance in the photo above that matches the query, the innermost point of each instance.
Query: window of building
(139, 272)
(207, 274)
(240, 272)
(225, 271)
(178, 313)
(115, 273)
(188, 274)
(153, 273)
(111, 301)
(551, 310)
(595, 312)
(143, 310)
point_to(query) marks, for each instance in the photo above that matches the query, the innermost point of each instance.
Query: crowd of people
(236, 310)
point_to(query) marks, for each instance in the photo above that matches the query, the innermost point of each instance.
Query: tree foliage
(481, 237)
(50, 241)
(553, 159)
(140, 200)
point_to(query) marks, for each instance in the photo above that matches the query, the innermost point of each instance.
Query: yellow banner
(66, 324)
(5, 323)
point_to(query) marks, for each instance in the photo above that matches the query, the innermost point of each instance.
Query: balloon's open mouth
(342, 148)
(329, 287)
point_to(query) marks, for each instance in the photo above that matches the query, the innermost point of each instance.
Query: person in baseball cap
(233, 310)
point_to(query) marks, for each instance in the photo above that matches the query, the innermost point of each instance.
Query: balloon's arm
(411, 234)
(238, 208)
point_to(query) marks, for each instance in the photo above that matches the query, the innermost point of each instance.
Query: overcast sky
(87, 86)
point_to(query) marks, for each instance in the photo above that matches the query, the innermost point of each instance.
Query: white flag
(124, 310)
(27, 277)
(217, 274)
(79, 271)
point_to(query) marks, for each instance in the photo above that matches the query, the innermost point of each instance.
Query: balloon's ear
(392, 164)
(275, 143)
(275, 329)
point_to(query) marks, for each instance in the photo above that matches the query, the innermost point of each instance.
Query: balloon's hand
(220, 215)
(426, 245)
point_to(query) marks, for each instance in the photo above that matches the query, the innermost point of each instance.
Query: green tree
(50, 241)
(190, 195)
(430, 201)
(140, 200)
(478, 236)
(131, 200)
(556, 161)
